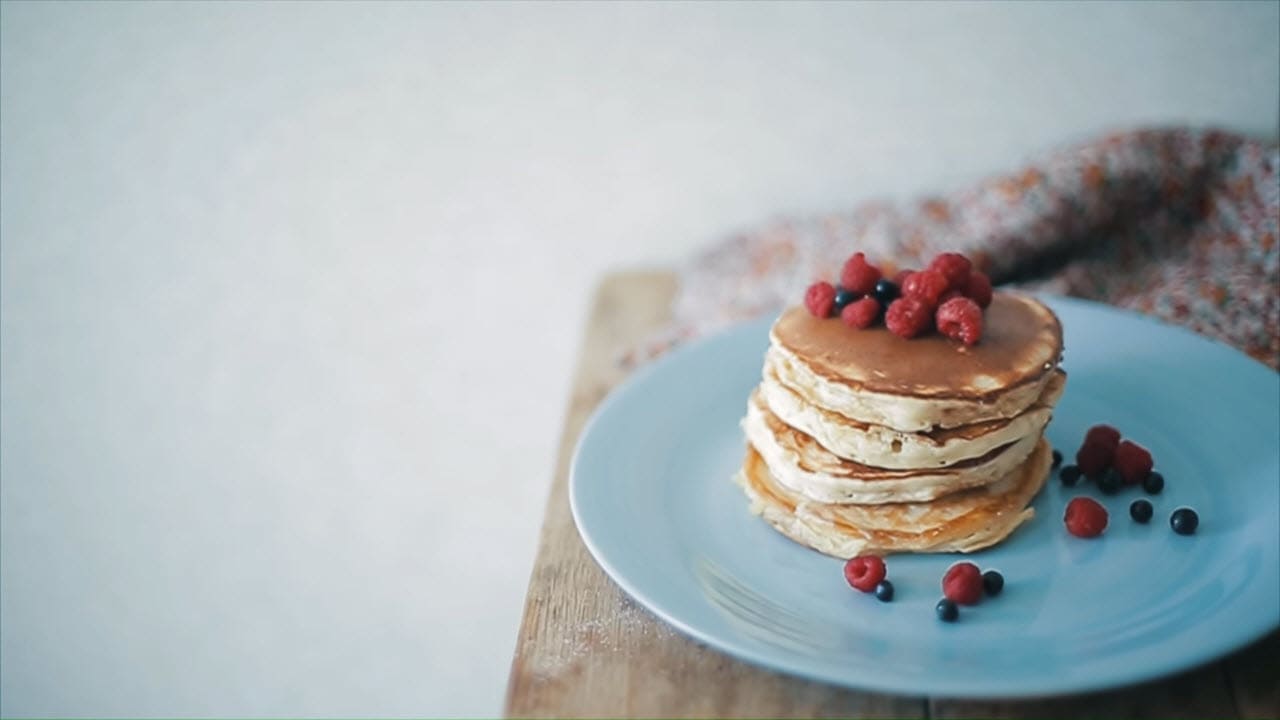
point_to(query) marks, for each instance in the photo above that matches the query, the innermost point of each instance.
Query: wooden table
(585, 649)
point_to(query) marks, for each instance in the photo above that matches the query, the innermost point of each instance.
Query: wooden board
(585, 649)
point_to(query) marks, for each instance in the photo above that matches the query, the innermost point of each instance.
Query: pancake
(889, 448)
(928, 382)
(961, 522)
(806, 468)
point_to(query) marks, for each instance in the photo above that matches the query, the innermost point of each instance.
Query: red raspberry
(1098, 450)
(901, 277)
(948, 295)
(979, 288)
(861, 314)
(1104, 435)
(864, 572)
(928, 285)
(908, 317)
(820, 298)
(1133, 461)
(858, 276)
(1085, 517)
(960, 319)
(963, 584)
(955, 268)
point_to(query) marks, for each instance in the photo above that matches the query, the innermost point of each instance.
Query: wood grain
(585, 649)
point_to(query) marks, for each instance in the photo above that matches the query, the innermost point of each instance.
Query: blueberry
(1184, 521)
(1109, 483)
(1070, 475)
(992, 582)
(1140, 511)
(1153, 483)
(886, 291)
(1057, 458)
(884, 591)
(843, 297)
(947, 610)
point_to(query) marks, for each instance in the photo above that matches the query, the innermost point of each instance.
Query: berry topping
(1140, 511)
(1109, 481)
(858, 275)
(960, 319)
(1057, 458)
(1070, 475)
(1184, 521)
(1085, 517)
(992, 582)
(884, 591)
(955, 268)
(820, 298)
(1103, 435)
(864, 572)
(886, 291)
(908, 317)
(1153, 483)
(979, 289)
(963, 584)
(862, 313)
(947, 610)
(843, 298)
(901, 277)
(1133, 461)
(1098, 449)
(928, 285)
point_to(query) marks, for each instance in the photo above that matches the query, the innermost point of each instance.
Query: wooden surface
(585, 649)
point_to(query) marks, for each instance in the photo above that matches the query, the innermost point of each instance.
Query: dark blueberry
(1109, 482)
(1070, 475)
(1140, 511)
(1057, 458)
(1153, 483)
(884, 591)
(947, 610)
(1184, 521)
(992, 582)
(843, 297)
(886, 291)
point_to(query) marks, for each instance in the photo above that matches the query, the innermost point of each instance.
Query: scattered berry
(1104, 435)
(861, 314)
(908, 317)
(1109, 481)
(901, 277)
(979, 289)
(1184, 521)
(947, 610)
(820, 298)
(1141, 511)
(963, 584)
(1085, 517)
(949, 295)
(928, 285)
(843, 298)
(864, 572)
(960, 319)
(1070, 475)
(858, 275)
(886, 291)
(1098, 450)
(1133, 461)
(1153, 483)
(992, 582)
(955, 268)
(1057, 458)
(884, 591)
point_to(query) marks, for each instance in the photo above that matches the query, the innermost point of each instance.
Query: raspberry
(861, 314)
(963, 584)
(928, 285)
(864, 572)
(858, 275)
(1133, 461)
(908, 317)
(1103, 434)
(960, 319)
(820, 298)
(955, 268)
(902, 276)
(1098, 449)
(1085, 517)
(949, 295)
(979, 288)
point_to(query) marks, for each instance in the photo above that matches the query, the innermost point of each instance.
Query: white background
(290, 293)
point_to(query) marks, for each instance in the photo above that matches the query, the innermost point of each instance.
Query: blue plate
(652, 496)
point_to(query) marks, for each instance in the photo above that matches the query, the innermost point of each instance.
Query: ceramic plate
(653, 499)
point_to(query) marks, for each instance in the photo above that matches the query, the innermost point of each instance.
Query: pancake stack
(863, 442)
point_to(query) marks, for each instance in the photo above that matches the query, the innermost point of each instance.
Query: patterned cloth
(1179, 224)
